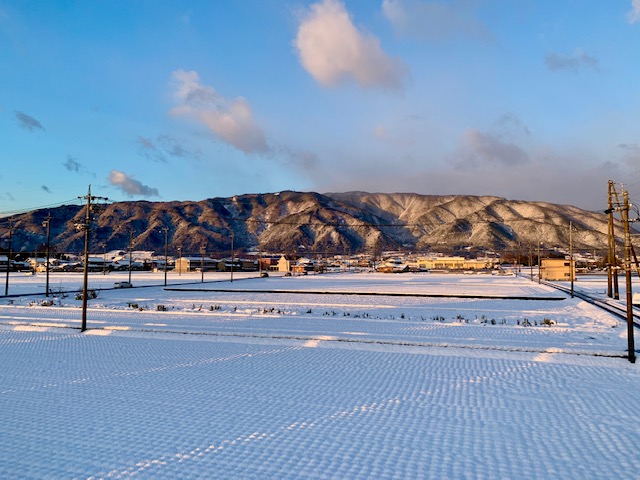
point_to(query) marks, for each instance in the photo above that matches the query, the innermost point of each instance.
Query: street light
(180, 261)
(47, 224)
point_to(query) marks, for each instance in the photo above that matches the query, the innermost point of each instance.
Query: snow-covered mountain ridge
(333, 222)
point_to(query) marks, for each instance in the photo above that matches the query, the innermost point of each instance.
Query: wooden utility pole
(86, 226)
(610, 242)
(613, 261)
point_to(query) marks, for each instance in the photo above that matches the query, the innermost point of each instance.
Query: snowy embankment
(258, 385)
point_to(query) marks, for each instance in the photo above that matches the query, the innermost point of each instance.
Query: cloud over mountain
(130, 186)
(479, 148)
(231, 121)
(333, 50)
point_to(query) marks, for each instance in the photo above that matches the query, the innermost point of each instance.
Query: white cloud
(230, 120)
(332, 49)
(634, 15)
(434, 21)
(130, 186)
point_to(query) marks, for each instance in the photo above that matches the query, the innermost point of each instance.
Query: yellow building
(453, 263)
(554, 269)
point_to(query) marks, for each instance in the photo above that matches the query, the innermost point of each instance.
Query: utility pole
(47, 224)
(104, 258)
(610, 242)
(539, 264)
(203, 250)
(627, 268)
(232, 255)
(166, 243)
(6, 286)
(179, 261)
(531, 261)
(612, 238)
(130, 252)
(86, 226)
(571, 255)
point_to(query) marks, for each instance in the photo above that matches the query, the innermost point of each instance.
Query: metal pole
(571, 255)
(539, 264)
(48, 224)
(627, 267)
(166, 243)
(203, 249)
(6, 286)
(180, 261)
(130, 252)
(104, 258)
(232, 256)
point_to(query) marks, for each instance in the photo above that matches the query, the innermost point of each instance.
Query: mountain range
(296, 222)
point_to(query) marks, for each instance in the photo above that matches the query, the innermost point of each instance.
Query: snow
(298, 384)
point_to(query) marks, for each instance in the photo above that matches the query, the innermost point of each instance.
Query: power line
(73, 201)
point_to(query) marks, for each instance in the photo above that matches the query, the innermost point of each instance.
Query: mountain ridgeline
(295, 222)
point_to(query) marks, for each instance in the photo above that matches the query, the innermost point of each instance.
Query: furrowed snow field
(310, 383)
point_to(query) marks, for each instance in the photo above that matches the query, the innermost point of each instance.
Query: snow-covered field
(290, 377)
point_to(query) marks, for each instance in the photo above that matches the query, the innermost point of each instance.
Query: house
(555, 269)
(226, 264)
(269, 264)
(286, 262)
(303, 265)
(394, 265)
(192, 264)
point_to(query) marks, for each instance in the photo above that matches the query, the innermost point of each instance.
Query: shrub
(90, 295)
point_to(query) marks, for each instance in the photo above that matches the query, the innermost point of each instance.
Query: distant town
(554, 265)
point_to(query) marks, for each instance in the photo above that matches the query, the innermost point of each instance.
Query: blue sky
(187, 100)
